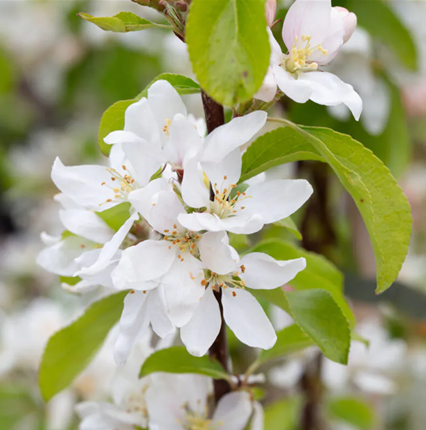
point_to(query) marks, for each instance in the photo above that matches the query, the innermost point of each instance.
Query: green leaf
(230, 50)
(289, 340)
(289, 224)
(380, 200)
(71, 349)
(318, 315)
(123, 22)
(352, 410)
(276, 297)
(113, 117)
(70, 280)
(178, 360)
(377, 17)
(283, 415)
(116, 216)
(112, 120)
(319, 272)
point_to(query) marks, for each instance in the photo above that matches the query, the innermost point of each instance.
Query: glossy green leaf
(379, 198)
(352, 410)
(284, 414)
(289, 224)
(318, 315)
(70, 280)
(276, 297)
(123, 22)
(178, 360)
(289, 340)
(113, 117)
(377, 17)
(116, 216)
(71, 349)
(319, 272)
(230, 50)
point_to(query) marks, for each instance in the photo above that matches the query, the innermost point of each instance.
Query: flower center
(195, 420)
(124, 184)
(167, 126)
(186, 241)
(223, 205)
(298, 58)
(231, 280)
(136, 403)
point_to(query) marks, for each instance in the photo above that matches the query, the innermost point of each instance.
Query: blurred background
(58, 74)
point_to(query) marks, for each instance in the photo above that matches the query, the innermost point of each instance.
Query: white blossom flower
(242, 212)
(313, 32)
(180, 402)
(241, 311)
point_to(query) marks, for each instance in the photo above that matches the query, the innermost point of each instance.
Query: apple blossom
(313, 32)
(271, 9)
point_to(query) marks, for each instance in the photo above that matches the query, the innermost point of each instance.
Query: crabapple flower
(243, 212)
(241, 311)
(271, 10)
(180, 402)
(313, 33)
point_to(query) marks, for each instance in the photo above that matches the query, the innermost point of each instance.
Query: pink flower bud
(271, 9)
(349, 22)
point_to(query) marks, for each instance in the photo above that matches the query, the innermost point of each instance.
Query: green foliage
(70, 280)
(71, 349)
(113, 117)
(377, 17)
(352, 410)
(318, 315)
(319, 273)
(123, 22)
(380, 200)
(116, 216)
(178, 360)
(289, 224)
(289, 340)
(283, 415)
(229, 47)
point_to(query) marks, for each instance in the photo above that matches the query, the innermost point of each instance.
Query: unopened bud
(181, 6)
(271, 10)
(349, 22)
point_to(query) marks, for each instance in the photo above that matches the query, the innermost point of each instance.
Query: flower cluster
(173, 252)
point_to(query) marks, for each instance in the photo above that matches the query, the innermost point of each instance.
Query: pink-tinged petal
(271, 10)
(183, 289)
(226, 173)
(329, 90)
(246, 318)
(265, 273)
(86, 224)
(233, 411)
(83, 184)
(268, 90)
(201, 331)
(217, 254)
(232, 135)
(110, 248)
(298, 90)
(134, 320)
(143, 198)
(159, 319)
(194, 190)
(142, 263)
(350, 21)
(307, 18)
(274, 200)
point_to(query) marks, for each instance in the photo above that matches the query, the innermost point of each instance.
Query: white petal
(65, 201)
(82, 287)
(216, 253)
(275, 200)
(225, 173)
(264, 272)
(59, 258)
(48, 239)
(246, 318)
(134, 320)
(375, 383)
(307, 18)
(233, 411)
(298, 90)
(160, 321)
(110, 248)
(83, 184)
(232, 135)
(183, 289)
(202, 330)
(194, 191)
(121, 136)
(258, 418)
(86, 224)
(329, 90)
(269, 87)
(146, 261)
